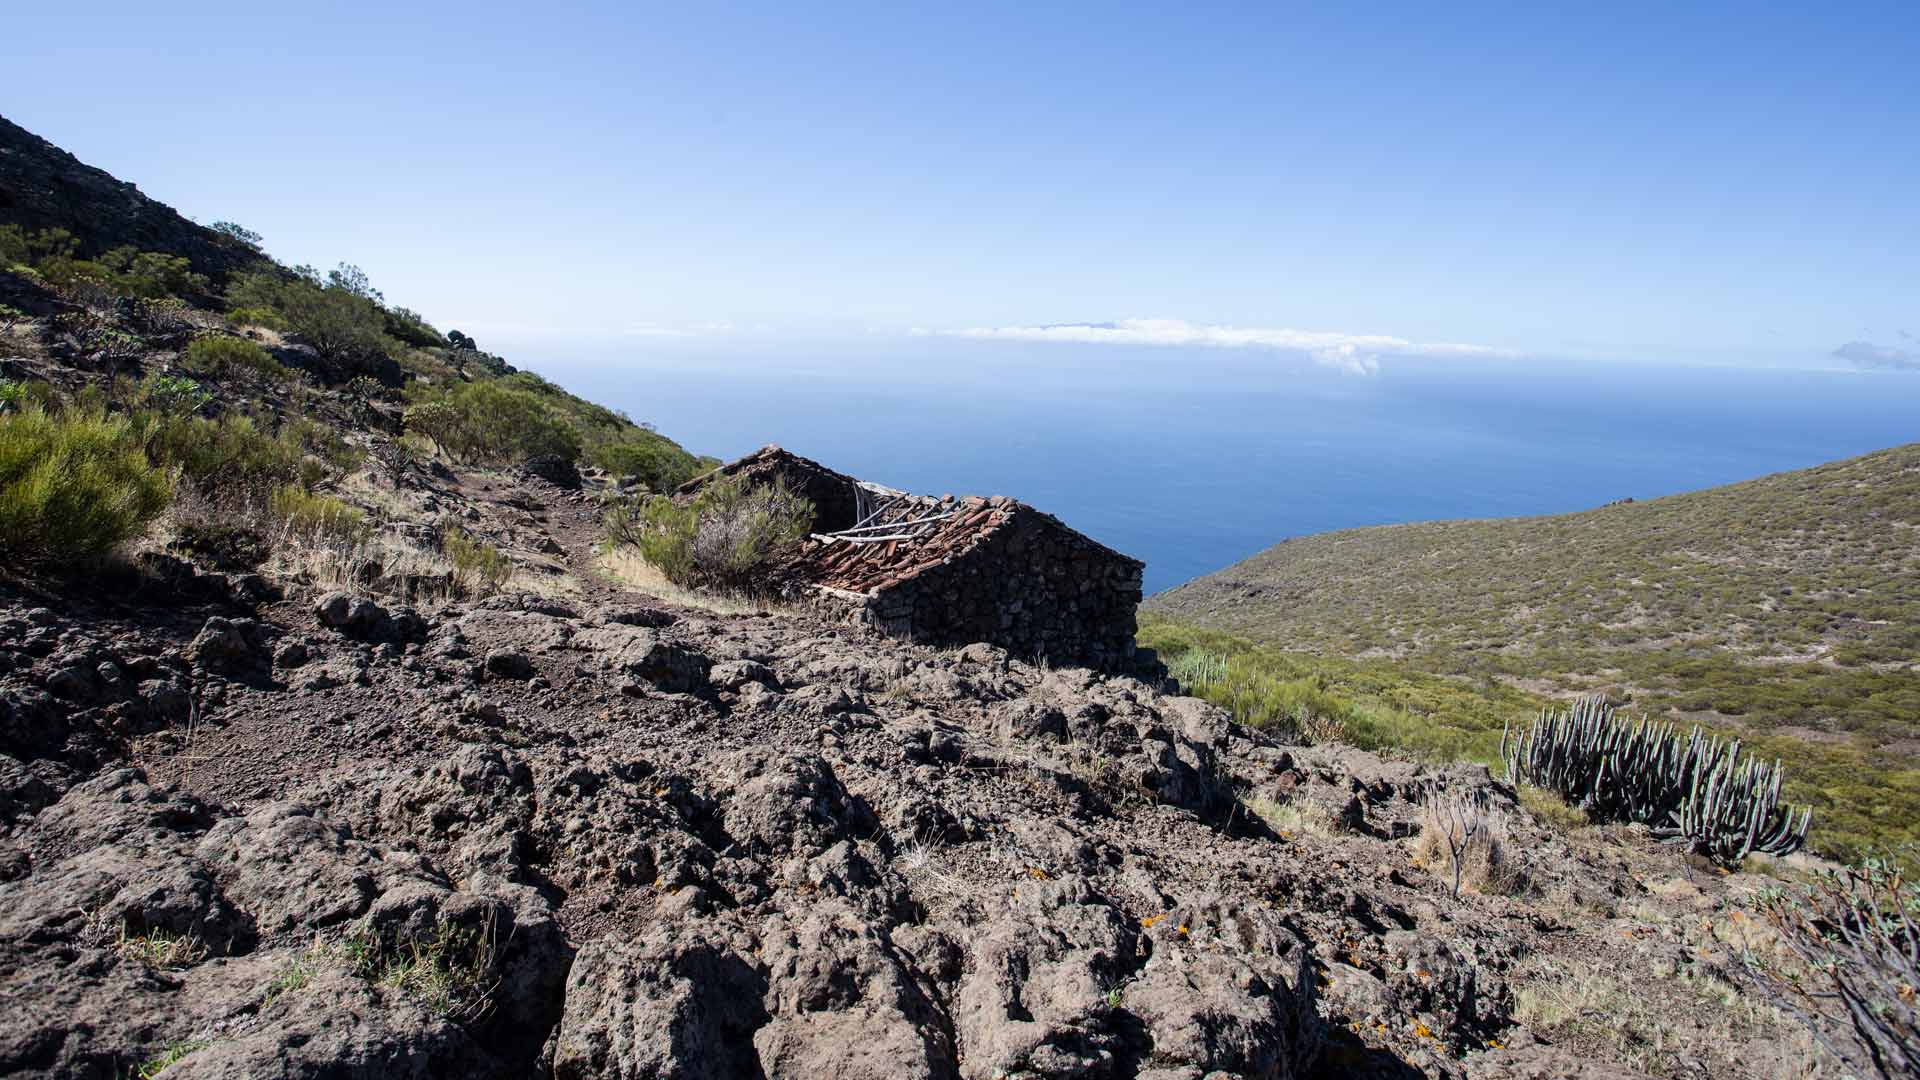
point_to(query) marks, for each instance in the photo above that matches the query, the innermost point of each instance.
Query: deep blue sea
(1195, 459)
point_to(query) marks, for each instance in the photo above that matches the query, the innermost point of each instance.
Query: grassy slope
(1786, 609)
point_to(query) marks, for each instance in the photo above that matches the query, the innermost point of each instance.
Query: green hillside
(1786, 609)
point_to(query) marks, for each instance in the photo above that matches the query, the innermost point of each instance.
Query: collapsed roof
(868, 537)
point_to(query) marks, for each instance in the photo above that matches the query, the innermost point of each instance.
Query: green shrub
(478, 567)
(73, 486)
(219, 356)
(13, 395)
(122, 271)
(315, 516)
(412, 328)
(107, 344)
(240, 233)
(165, 316)
(656, 460)
(172, 395)
(1853, 936)
(344, 326)
(232, 452)
(151, 274)
(725, 537)
(13, 246)
(256, 316)
(486, 423)
(1374, 705)
(20, 250)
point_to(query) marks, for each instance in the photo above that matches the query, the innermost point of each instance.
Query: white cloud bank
(1886, 357)
(1356, 353)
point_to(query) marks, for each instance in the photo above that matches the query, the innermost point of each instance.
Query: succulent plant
(1695, 789)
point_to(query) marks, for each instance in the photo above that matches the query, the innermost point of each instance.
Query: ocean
(1192, 459)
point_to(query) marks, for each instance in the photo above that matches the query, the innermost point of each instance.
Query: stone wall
(1030, 585)
(835, 496)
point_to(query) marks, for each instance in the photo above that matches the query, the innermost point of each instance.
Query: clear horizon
(1717, 186)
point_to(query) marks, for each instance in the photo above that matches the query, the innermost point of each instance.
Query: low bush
(256, 316)
(121, 272)
(1301, 707)
(239, 233)
(1853, 964)
(725, 537)
(659, 463)
(219, 356)
(344, 327)
(13, 247)
(478, 567)
(232, 452)
(412, 328)
(166, 317)
(105, 344)
(150, 274)
(173, 396)
(315, 517)
(73, 486)
(486, 423)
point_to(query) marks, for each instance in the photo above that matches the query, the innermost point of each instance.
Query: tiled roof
(904, 549)
(869, 537)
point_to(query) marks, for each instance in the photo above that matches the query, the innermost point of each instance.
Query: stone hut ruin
(952, 571)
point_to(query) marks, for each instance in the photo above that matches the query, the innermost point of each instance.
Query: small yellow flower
(1182, 928)
(1036, 873)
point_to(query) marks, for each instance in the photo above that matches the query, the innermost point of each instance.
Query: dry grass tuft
(1662, 1022)
(1551, 810)
(622, 563)
(1465, 842)
(161, 949)
(1295, 818)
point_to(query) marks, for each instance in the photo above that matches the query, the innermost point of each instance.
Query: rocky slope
(44, 187)
(258, 817)
(319, 835)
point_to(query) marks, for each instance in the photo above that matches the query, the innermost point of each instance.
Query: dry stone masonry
(947, 571)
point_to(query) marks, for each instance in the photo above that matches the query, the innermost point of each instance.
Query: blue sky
(1660, 183)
